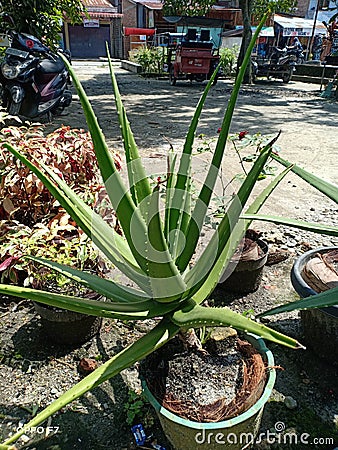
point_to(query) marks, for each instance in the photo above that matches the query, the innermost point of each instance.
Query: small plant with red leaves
(68, 152)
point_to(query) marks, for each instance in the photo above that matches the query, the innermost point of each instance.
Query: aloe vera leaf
(329, 230)
(329, 189)
(196, 316)
(166, 281)
(107, 288)
(145, 309)
(170, 183)
(138, 180)
(126, 210)
(225, 232)
(177, 217)
(201, 206)
(322, 300)
(236, 235)
(157, 337)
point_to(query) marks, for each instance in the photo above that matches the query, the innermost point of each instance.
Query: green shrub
(150, 58)
(228, 58)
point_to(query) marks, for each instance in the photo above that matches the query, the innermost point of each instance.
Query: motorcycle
(33, 79)
(281, 64)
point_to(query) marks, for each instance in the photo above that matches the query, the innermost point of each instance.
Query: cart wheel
(287, 77)
(172, 78)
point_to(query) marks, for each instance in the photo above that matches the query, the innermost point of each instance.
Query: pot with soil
(213, 398)
(313, 272)
(67, 327)
(246, 266)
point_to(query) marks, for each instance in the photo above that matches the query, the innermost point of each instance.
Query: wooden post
(67, 42)
(313, 31)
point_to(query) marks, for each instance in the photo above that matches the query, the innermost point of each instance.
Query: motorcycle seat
(49, 66)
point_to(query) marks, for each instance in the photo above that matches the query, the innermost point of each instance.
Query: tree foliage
(186, 8)
(43, 18)
(278, 6)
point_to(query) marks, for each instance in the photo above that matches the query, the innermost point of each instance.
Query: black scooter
(281, 64)
(33, 79)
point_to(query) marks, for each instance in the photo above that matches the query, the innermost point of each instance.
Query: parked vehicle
(193, 53)
(33, 79)
(281, 64)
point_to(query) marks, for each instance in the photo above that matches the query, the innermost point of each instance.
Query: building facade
(103, 24)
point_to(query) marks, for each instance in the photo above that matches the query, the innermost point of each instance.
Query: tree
(186, 8)
(43, 18)
(257, 8)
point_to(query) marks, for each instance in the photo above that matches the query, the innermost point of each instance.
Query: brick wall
(129, 20)
(129, 14)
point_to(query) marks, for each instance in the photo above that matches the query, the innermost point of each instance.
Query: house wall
(90, 42)
(129, 14)
(302, 8)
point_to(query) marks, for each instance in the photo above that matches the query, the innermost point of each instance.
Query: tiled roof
(150, 4)
(98, 4)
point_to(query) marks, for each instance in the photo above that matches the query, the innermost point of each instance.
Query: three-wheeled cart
(193, 52)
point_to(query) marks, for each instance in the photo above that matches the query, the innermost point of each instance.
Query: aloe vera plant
(156, 249)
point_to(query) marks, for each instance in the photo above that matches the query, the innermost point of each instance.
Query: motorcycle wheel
(172, 78)
(14, 108)
(287, 77)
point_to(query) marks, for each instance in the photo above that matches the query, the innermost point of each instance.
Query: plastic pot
(246, 276)
(67, 327)
(320, 325)
(236, 433)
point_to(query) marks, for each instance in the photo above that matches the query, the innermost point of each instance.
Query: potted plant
(212, 399)
(61, 241)
(314, 277)
(244, 272)
(151, 251)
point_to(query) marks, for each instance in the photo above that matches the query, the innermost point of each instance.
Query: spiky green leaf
(322, 300)
(138, 180)
(145, 309)
(158, 336)
(307, 226)
(329, 189)
(107, 288)
(196, 316)
(198, 216)
(178, 214)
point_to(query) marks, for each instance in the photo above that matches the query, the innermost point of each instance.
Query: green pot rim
(259, 344)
